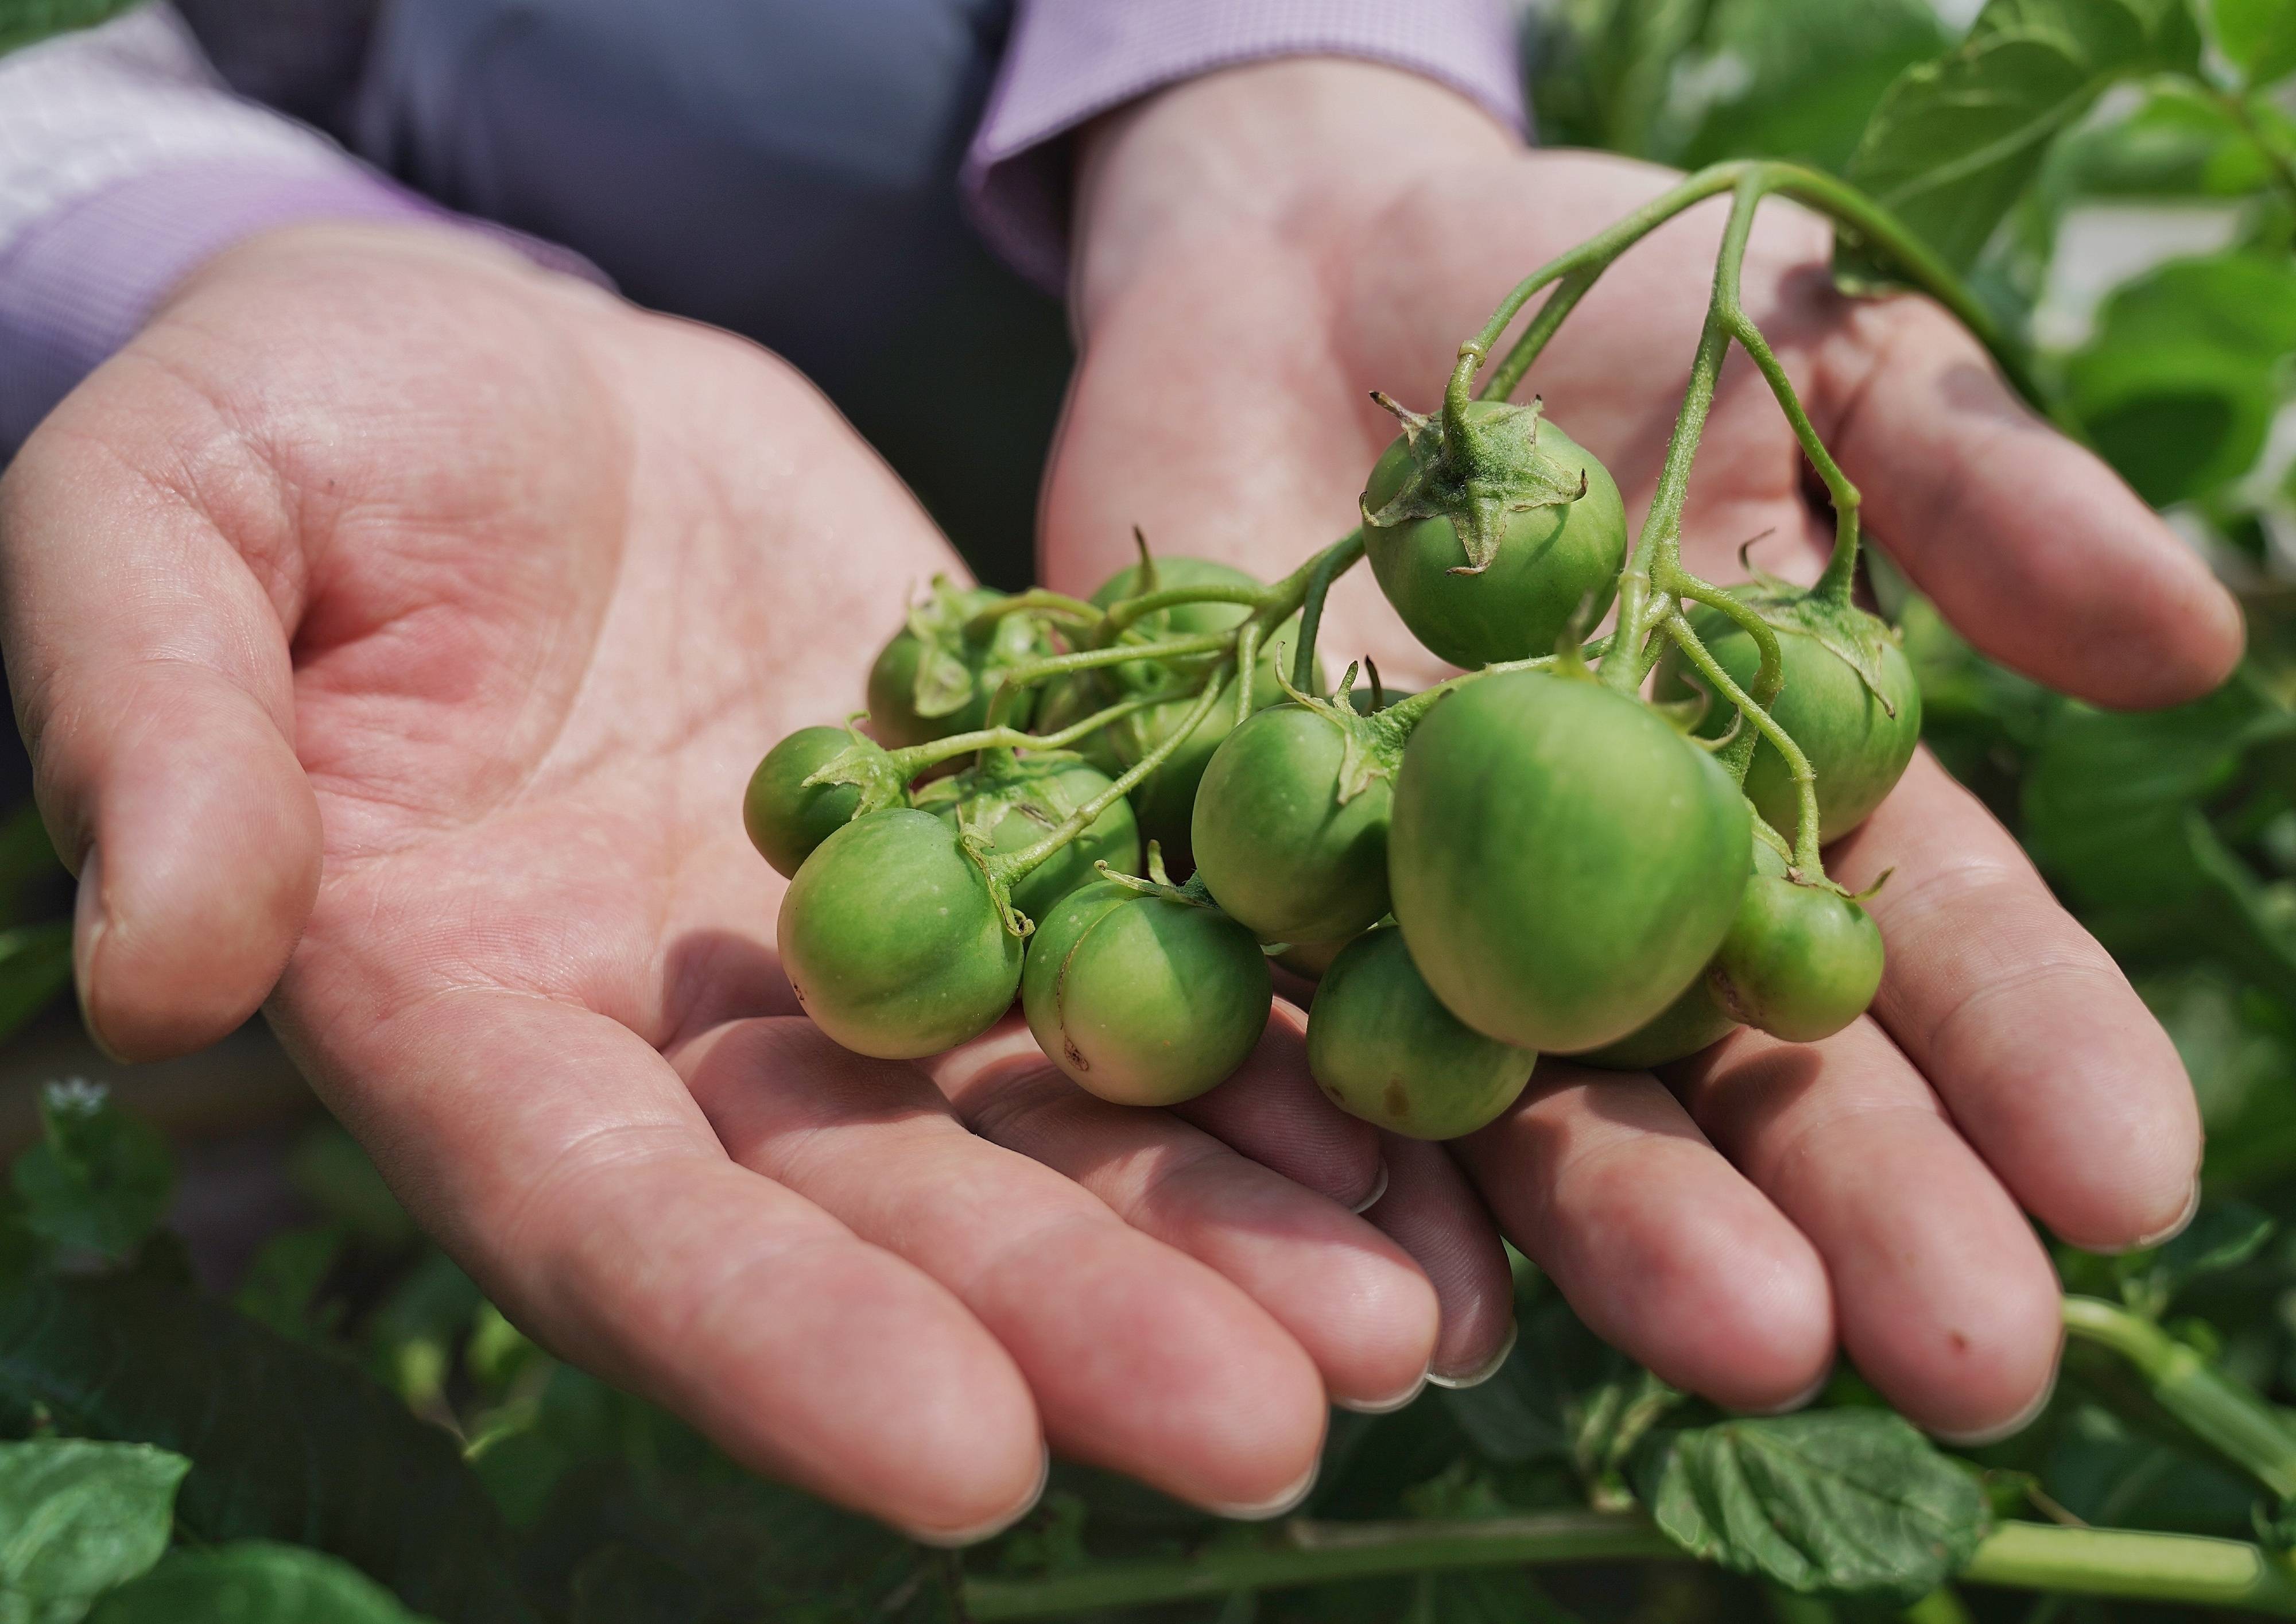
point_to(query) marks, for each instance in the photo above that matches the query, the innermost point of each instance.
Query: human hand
(1256, 252)
(398, 623)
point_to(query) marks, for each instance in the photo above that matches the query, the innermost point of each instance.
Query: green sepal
(868, 767)
(1371, 747)
(1475, 474)
(976, 848)
(954, 664)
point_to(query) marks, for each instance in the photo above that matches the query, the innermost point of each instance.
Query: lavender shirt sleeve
(1072, 60)
(124, 164)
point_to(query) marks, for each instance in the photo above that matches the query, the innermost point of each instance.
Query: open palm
(1258, 252)
(398, 624)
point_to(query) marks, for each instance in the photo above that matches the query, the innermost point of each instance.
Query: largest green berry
(1562, 863)
(892, 939)
(1489, 543)
(1382, 1048)
(1144, 998)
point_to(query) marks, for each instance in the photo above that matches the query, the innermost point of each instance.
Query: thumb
(151, 678)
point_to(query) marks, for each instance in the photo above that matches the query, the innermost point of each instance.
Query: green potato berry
(785, 819)
(900, 716)
(1800, 961)
(1142, 998)
(1857, 747)
(1562, 863)
(1545, 560)
(1383, 1047)
(892, 939)
(1275, 841)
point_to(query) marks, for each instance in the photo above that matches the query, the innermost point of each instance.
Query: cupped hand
(396, 624)
(1260, 248)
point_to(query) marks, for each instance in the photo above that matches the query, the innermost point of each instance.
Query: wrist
(1261, 147)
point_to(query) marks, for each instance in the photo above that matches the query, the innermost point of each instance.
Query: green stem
(1125, 612)
(1036, 600)
(1660, 541)
(1322, 570)
(2221, 1412)
(2019, 1555)
(1011, 866)
(1805, 779)
(1841, 567)
(2133, 1566)
(914, 758)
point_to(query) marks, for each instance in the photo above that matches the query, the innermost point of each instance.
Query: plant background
(311, 1414)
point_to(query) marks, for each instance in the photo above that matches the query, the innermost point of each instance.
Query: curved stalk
(914, 758)
(1805, 780)
(1841, 567)
(1125, 611)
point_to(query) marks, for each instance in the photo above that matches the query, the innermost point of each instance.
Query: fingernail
(1483, 1372)
(1994, 1434)
(1805, 1396)
(951, 1539)
(89, 923)
(1378, 1189)
(1291, 1500)
(2184, 1218)
(1383, 1406)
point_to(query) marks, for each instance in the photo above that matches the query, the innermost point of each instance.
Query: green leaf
(2179, 385)
(101, 1180)
(2259, 36)
(2113, 811)
(253, 1581)
(35, 966)
(1800, 77)
(1605, 70)
(76, 1518)
(739, 1547)
(2224, 1236)
(1849, 1501)
(289, 1443)
(23, 22)
(1955, 142)
(284, 1279)
(2239, 1066)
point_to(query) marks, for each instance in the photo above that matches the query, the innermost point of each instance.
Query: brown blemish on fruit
(1397, 1103)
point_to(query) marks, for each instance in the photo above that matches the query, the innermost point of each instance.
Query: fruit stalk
(2220, 1411)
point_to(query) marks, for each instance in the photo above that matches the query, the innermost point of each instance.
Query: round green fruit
(1693, 1022)
(1384, 1048)
(1857, 748)
(893, 714)
(785, 819)
(892, 941)
(1550, 560)
(1272, 841)
(1561, 862)
(1024, 801)
(1142, 998)
(1800, 961)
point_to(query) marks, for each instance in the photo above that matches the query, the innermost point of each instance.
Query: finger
(1430, 1211)
(1141, 1359)
(1657, 1241)
(150, 668)
(2050, 1063)
(2032, 547)
(1272, 1111)
(1350, 1296)
(1945, 1300)
(563, 1162)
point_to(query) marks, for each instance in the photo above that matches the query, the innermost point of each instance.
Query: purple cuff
(76, 286)
(1072, 60)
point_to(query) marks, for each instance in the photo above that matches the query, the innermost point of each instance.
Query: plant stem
(2277, 162)
(911, 759)
(2017, 1555)
(1628, 661)
(1805, 780)
(1013, 866)
(1125, 612)
(2220, 1411)
(1841, 567)
(1322, 570)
